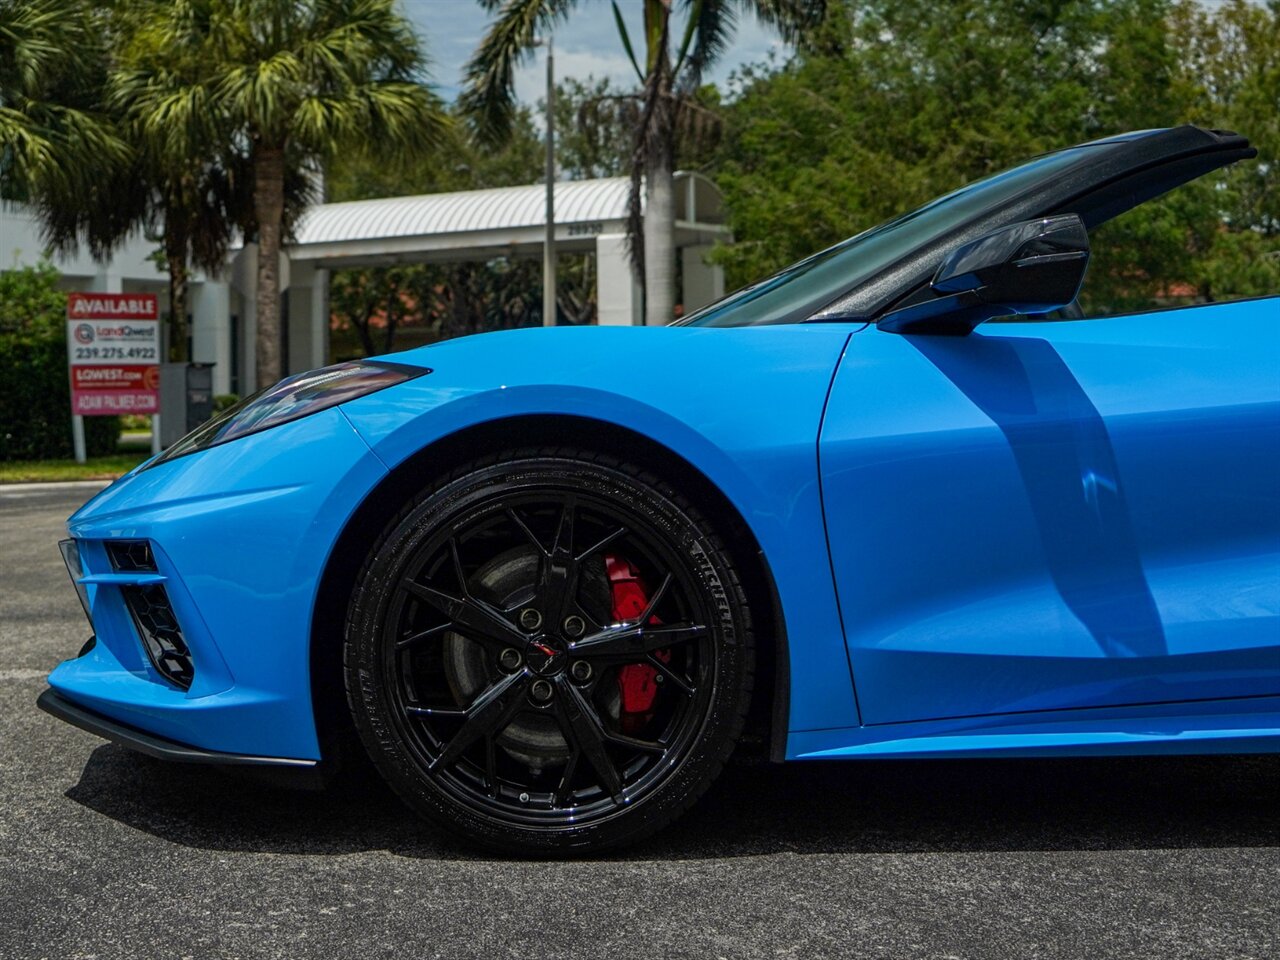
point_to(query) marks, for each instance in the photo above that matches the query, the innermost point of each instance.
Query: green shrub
(224, 401)
(35, 389)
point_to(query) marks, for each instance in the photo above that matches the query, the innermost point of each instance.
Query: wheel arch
(767, 721)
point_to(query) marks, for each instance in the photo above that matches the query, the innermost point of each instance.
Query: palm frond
(51, 124)
(713, 22)
(791, 18)
(626, 40)
(489, 97)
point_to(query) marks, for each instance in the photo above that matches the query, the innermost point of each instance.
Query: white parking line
(23, 675)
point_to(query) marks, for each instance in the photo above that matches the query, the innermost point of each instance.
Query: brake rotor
(531, 738)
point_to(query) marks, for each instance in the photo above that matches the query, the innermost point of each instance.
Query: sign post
(113, 356)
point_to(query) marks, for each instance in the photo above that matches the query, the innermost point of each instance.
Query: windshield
(800, 290)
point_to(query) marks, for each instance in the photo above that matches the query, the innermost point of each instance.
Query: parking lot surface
(107, 854)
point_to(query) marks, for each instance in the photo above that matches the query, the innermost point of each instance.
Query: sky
(587, 44)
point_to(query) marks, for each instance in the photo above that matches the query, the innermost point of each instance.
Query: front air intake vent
(161, 636)
(131, 556)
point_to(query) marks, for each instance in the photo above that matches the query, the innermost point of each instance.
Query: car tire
(549, 651)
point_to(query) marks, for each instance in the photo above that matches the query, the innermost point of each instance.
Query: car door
(1043, 516)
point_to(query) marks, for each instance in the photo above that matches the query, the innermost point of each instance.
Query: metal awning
(479, 224)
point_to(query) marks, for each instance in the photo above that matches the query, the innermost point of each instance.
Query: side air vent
(131, 556)
(160, 633)
(152, 612)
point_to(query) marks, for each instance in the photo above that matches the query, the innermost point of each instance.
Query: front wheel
(549, 651)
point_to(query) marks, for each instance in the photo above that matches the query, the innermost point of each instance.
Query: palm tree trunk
(362, 330)
(659, 239)
(176, 257)
(268, 210)
(656, 156)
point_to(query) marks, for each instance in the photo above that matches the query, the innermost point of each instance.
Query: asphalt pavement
(107, 854)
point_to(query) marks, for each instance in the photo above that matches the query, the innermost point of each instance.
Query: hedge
(35, 390)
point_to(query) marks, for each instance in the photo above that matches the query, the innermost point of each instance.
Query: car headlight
(292, 398)
(71, 557)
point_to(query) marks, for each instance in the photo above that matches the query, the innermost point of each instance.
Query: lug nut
(530, 618)
(580, 671)
(540, 691)
(574, 626)
(510, 658)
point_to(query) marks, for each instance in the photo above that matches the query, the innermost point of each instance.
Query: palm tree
(176, 184)
(187, 182)
(668, 81)
(51, 70)
(292, 83)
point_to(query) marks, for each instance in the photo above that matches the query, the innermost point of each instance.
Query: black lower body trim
(52, 702)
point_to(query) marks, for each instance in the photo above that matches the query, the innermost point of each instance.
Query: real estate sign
(113, 350)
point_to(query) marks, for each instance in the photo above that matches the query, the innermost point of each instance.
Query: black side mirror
(1030, 267)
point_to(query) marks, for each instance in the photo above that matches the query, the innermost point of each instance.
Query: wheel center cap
(545, 656)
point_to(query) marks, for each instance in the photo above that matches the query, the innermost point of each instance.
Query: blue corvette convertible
(547, 579)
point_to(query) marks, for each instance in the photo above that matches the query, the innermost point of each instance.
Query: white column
(244, 277)
(320, 318)
(308, 316)
(106, 280)
(618, 288)
(248, 347)
(211, 330)
(703, 282)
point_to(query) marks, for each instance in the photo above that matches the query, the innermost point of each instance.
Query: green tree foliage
(195, 120)
(52, 66)
(107, 67)
(596, 122)
(455, 162)
(178, 185)
(670, 60)
(35, 391)
(288, 84)
(894, 102)
(1230, 75)
(387, 308)
(595, 126)
(405, 305)
(1219, 237)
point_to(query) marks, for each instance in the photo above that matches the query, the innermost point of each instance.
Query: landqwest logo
(123, 332)
(84, 333)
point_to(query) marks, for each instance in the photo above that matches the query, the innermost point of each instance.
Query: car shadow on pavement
(753, 809)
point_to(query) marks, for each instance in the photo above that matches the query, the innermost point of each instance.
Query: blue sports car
(548, 579)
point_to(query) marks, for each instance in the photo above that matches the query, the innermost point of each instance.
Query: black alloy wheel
(549, 651)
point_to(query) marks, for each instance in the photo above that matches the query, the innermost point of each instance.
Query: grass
(132, 448)
(95, 468)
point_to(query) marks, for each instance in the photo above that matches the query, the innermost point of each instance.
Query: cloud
(531, 79)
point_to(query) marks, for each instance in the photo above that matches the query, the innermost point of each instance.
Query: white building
(472, 225)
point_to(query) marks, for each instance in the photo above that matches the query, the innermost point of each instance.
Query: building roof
(503, 208)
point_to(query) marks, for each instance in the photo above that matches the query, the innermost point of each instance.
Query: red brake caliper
(637, 685)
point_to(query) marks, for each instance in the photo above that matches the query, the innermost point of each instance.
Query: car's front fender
(741, 405)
